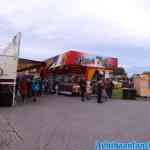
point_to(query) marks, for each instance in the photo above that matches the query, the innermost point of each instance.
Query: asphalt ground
(66, 123)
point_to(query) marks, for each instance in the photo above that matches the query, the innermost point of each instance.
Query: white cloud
(110, 27)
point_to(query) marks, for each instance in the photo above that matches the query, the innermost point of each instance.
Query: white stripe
(7, 83)
(65, 92)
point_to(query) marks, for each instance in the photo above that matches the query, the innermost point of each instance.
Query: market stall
(142, 84)
(66, 69)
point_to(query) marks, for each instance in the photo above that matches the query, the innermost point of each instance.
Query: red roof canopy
(83, 59)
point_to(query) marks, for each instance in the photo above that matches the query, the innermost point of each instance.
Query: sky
(116, 28)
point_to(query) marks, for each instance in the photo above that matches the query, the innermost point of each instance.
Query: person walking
(107, 86)
(110, 87)
(82, 88)
(35, 89)
(99, 91)
(23, 88)
(29, 88)
(41, 88)
(56, 88)
(104, 92)
(88, 90)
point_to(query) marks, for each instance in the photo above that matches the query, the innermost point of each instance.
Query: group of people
(36, 87)
(31, 88)
(103, 89)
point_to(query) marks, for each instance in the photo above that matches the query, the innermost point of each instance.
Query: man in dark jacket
(82, 88)
(99, 91)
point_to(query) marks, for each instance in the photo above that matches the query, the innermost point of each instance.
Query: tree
(120, 71)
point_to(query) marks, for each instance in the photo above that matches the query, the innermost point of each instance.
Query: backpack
(35, 87)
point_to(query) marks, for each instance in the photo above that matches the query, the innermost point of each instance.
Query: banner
(83, 59)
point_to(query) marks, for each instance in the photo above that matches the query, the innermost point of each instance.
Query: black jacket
(82, 84)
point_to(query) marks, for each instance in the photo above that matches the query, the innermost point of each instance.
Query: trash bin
(117, 93)
(129, 93)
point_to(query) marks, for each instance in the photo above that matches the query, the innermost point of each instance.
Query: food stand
(26, 66)
(29, 68)
(66, 69)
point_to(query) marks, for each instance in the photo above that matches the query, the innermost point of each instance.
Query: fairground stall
(28, 68)
(142, 84)
(66, 69)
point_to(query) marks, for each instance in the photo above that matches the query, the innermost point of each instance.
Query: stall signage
(84, 59)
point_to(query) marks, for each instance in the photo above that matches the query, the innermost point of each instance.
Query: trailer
(8, 71)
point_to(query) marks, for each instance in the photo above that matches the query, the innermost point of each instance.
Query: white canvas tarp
(8, 64)
(9, 59)
(8, 67)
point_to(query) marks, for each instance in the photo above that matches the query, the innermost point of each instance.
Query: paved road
(66, 123)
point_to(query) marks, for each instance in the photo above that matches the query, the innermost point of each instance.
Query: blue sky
(118, 28)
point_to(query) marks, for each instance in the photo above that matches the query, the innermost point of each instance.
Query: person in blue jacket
(35, 89)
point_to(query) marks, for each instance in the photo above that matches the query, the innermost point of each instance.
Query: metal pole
(17, 57)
